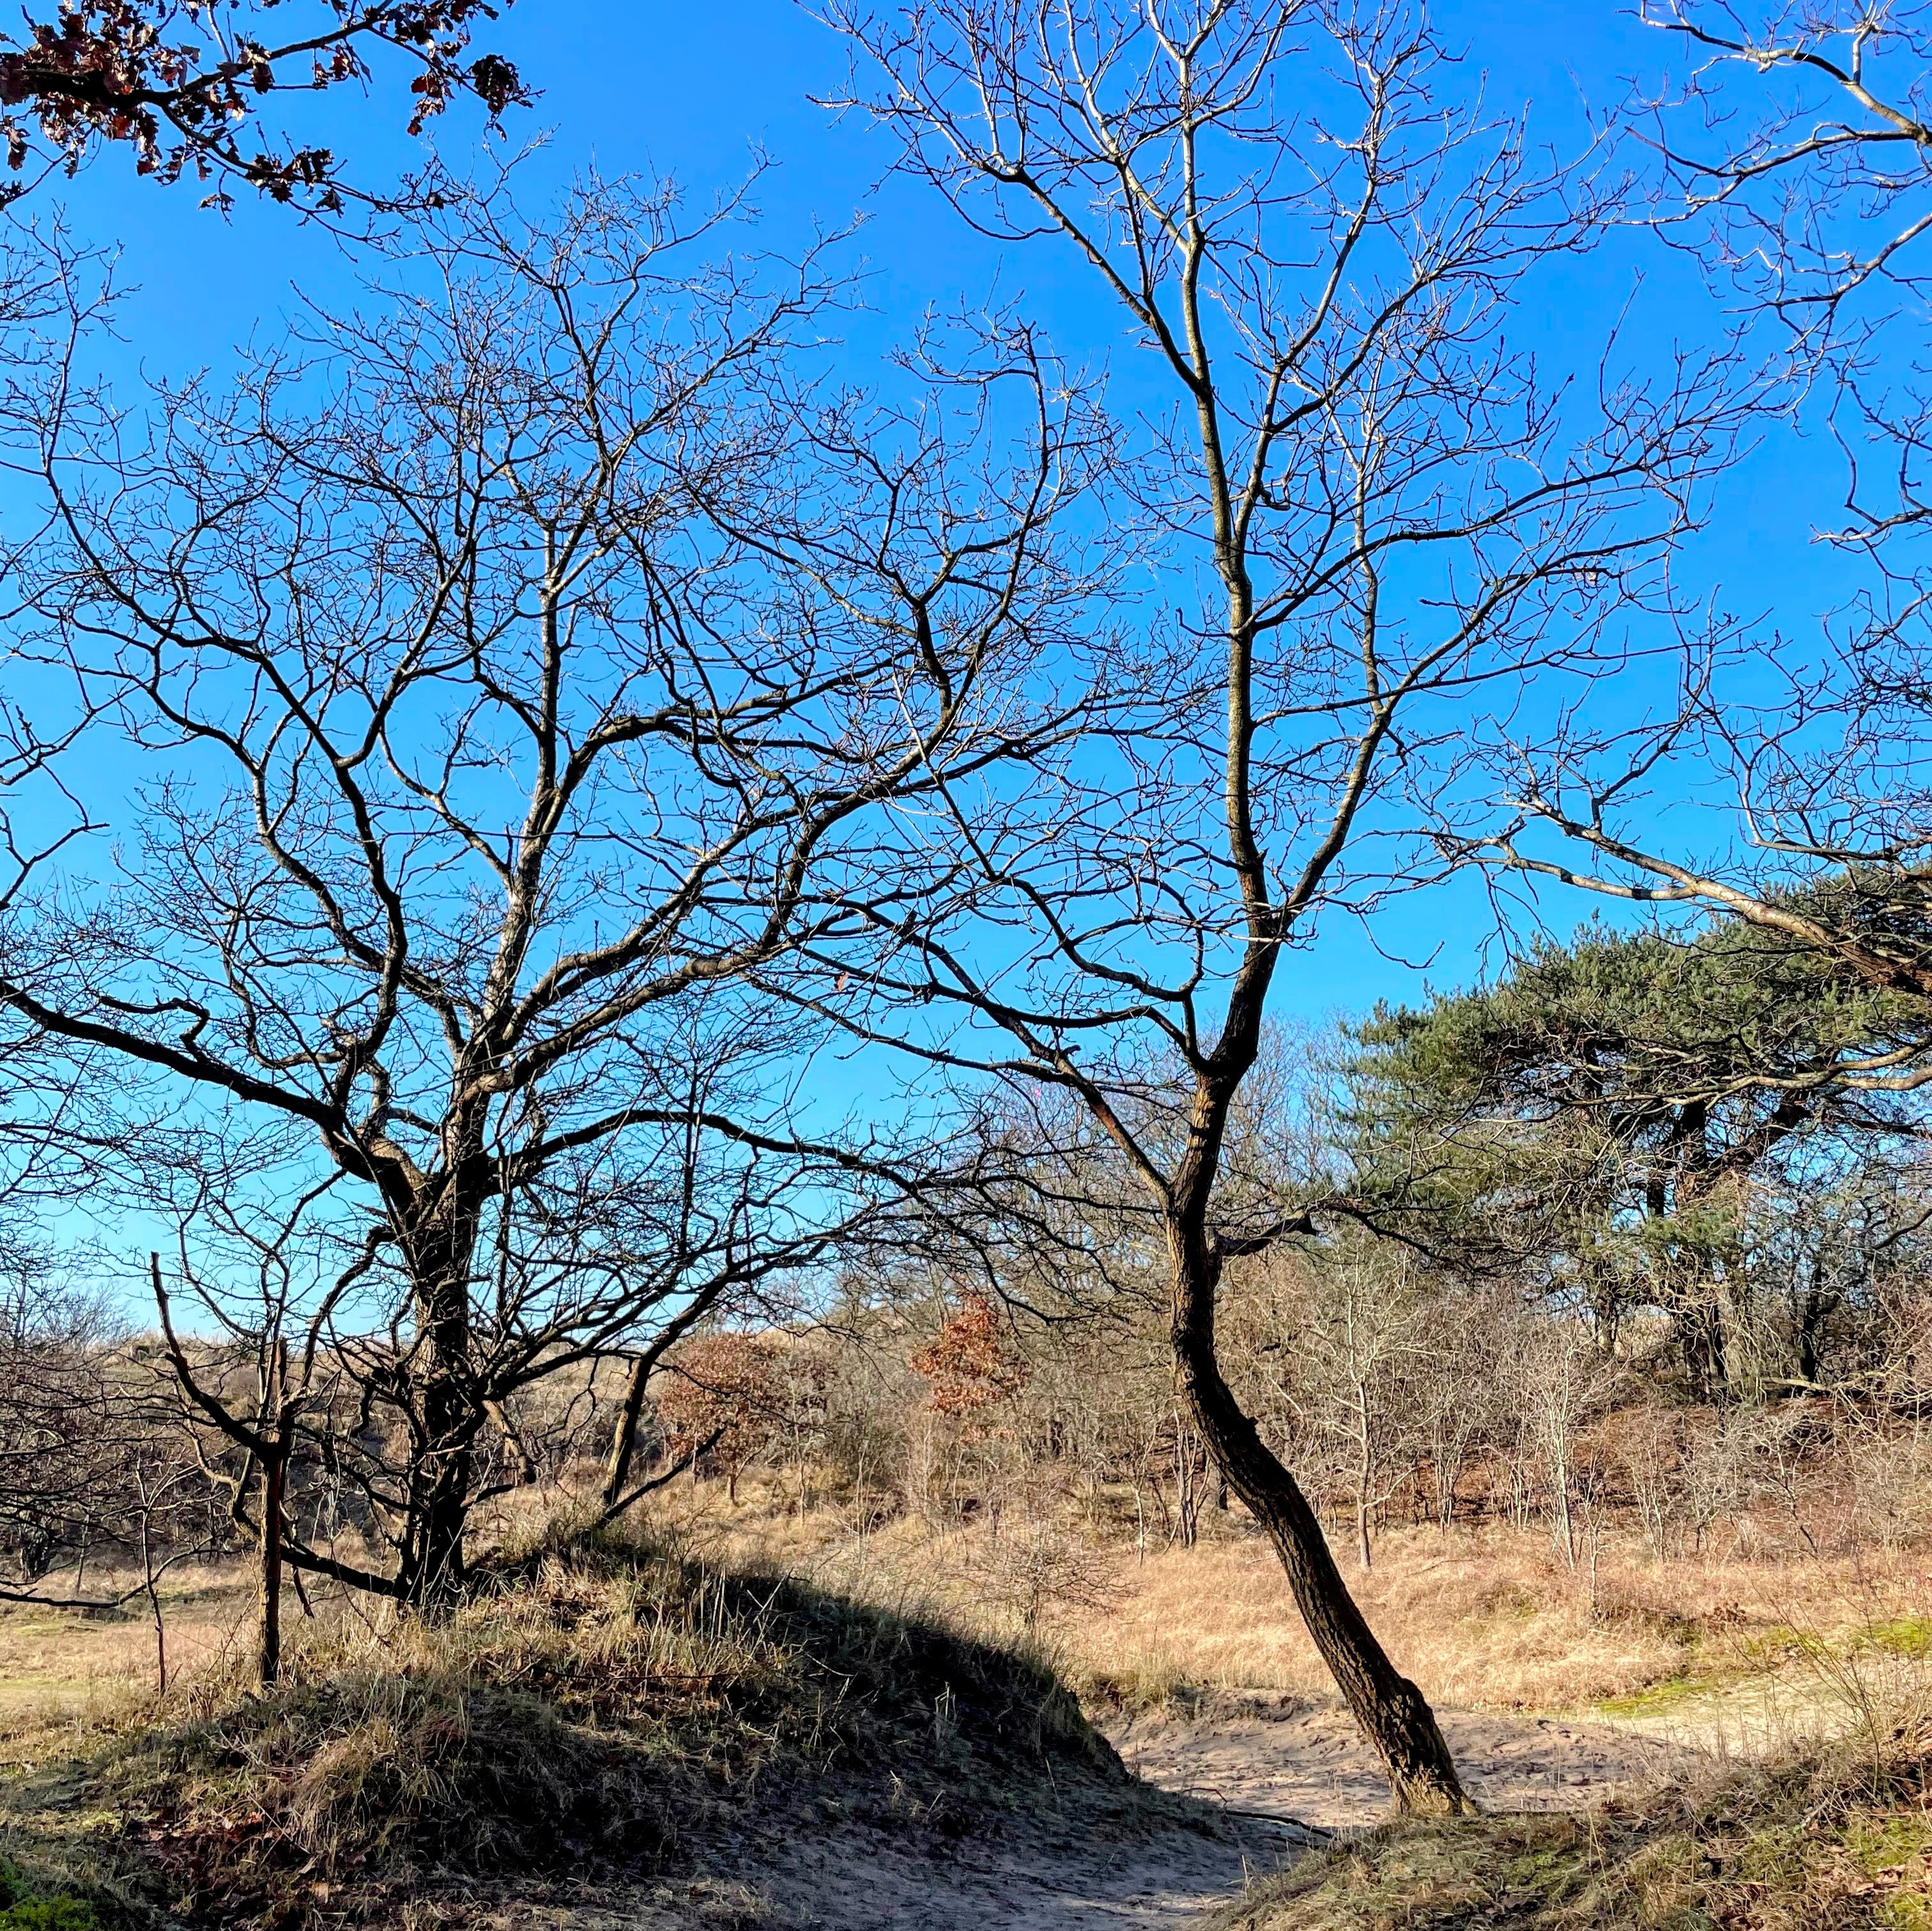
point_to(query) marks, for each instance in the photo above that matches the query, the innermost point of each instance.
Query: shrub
(24, 1907)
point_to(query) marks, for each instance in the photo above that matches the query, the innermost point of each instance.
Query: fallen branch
(101, 1604)
(1276, 1817)
(91, 1603)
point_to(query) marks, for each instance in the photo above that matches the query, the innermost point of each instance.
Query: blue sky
(692, 92)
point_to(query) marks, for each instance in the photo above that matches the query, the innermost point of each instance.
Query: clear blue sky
(690, 90)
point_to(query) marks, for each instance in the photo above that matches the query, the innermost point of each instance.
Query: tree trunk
(151, 1586)
(453, 1407)
(1364, 1477)
(1188, 1498)
(623, 1443)
(275, 1484)
(442, 1480)
(1700, 1325)
(274, 1459)
(1393, 1713)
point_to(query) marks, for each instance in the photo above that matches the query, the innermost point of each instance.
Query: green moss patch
(1909, 1636)
(1658, 1698)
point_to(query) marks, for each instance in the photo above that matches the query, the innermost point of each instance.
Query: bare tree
(1793, 163)
(1367, 1321)
(507, 672)
(184, 86)
(1362, 509)
(240, 1386)
(70, 1430)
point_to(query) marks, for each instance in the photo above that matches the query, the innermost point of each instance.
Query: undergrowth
(1816, 1845)
(26, 1905)
(593, 1708)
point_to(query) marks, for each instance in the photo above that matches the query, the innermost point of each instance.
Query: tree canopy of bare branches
(508, 677)
(1366, 513)
(1793, 165)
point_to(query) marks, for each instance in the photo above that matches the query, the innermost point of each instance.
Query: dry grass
(1485, 1618)
(1809, 1845)
(594, 1712)
(610, 1710)
(57, 1666)
(1812, 1676)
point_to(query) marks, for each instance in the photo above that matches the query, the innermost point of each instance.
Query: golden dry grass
(616, 1673)
(1485, 1618)
(59, 1665)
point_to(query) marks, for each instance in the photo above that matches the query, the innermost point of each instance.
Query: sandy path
(1312, 1764)
(1165, 1863)
(1164, 1873)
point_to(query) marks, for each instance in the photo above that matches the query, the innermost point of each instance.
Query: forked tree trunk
(1394, 1714)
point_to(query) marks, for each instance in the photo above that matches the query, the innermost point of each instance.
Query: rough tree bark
(624, 1440)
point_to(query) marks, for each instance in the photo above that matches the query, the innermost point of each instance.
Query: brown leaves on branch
(181, 82)
(721, 1391)
(971, 1363)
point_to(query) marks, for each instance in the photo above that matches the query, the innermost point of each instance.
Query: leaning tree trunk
(1393, 1713)
(623, 1443)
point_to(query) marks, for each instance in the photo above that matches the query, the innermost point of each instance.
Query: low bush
(25, 1906)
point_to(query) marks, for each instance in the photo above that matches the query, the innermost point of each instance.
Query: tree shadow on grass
(594, 1712)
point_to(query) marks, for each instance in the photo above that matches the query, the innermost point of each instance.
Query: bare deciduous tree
(69, 1429)
(507, 674)
(1362, 507)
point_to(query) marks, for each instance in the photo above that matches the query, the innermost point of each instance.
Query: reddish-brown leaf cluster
(970, 1362)
(721, 1389)
(127, 70)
